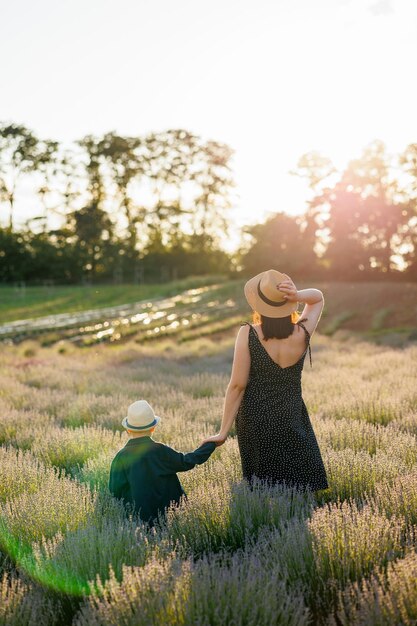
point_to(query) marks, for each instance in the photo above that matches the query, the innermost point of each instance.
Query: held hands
(289, 290)
(217, 439)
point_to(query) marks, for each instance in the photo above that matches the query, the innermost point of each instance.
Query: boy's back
(143, 472)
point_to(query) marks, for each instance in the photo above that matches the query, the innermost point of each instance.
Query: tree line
(156, 207)
(360, 223)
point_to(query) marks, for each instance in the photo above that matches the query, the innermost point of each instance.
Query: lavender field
(69, 554)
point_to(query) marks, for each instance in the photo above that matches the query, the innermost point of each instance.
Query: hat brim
(258, 305)
(126, 424)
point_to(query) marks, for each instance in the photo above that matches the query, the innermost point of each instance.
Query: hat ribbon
(267, 300)
(141, 427)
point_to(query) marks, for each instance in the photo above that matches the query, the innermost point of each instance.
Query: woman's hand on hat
(217, 439)
(289, 290)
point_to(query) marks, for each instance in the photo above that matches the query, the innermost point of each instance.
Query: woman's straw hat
(263, 294)
(140, 416)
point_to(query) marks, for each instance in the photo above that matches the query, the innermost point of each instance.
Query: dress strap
(308, 340)
(247, 324)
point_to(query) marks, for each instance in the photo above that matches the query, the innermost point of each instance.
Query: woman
(275, 436)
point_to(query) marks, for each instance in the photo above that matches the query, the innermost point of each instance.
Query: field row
(189, 309)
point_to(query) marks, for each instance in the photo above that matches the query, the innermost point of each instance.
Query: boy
(143, 472)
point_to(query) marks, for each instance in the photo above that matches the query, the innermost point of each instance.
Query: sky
(272, 78)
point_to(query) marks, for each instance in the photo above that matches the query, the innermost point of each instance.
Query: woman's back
(284, 352)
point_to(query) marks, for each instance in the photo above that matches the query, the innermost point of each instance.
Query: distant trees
(128, 208)
(360, 223)
(366, 214)
(408, 236)
(278, 243)
(155, 207)
(21, 152)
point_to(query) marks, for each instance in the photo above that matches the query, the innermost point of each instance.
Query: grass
(18, 303)
(379, 318)
(70, 555)
(337, 322)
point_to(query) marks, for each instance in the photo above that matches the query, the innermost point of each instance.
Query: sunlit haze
(273, 79)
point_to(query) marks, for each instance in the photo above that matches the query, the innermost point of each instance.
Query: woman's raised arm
(313, 300)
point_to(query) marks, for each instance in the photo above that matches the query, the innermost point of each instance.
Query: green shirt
(143, 473)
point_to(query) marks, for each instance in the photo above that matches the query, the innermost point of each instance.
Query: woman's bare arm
(309, 296)
(314, 303)
(312, 298)
(236, 387)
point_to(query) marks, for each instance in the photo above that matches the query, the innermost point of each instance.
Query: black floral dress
(275, 436)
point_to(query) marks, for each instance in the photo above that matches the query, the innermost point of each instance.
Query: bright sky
(272, 78)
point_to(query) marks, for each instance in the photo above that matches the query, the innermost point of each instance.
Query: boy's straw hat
(263, 295)
(140, 416)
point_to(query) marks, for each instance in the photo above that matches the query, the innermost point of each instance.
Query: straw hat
(263, 294)
(140, 416)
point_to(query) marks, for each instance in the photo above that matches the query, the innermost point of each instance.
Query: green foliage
(355, 474)
(72, 560)
(348, 542)
(23, 604)
(388, 597)
(274, 245)
(58, 504)
(209, 521)
(175, 592)
(21, 472)
(336, 322)
(379, 318)
(69, 448)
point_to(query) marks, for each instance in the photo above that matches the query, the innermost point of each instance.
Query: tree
(315, 167)
(68, 177)
(408, 239)
(19, 155)
(47, 167)
(277, 244)
(318, 170)
(126, 163)
(170, 164)
(186, 180)
(377, 212)
(345, 253)
(214, 179)
(361, 214)
(14, 256)
(92, 230)
(93, 167)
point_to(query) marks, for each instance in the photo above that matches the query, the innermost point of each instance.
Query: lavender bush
(71, 554)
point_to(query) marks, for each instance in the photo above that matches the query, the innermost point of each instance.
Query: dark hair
(277, 327)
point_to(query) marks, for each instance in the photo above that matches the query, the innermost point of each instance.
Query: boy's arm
(117, 480)
(174, 461)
